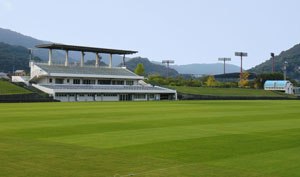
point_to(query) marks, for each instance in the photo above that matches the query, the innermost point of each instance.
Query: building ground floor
(86, 97)
(73, 93)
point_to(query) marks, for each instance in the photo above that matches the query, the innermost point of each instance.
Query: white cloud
(6, 5)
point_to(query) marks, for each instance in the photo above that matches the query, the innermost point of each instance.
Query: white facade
(280, 85)
(23, 79)
(87, 83)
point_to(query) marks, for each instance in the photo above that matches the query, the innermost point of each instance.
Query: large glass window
(140, 96)
(61, 94)
(59, 81)
(117, 82)
(88, 82)
(151, 96)
(76, 81)
(110, 94)
(129, 82)
(104, 82)
(93, 82)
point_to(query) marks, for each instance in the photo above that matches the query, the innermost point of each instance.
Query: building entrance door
(125, 97)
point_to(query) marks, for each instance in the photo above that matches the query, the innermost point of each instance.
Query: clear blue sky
(187, 31)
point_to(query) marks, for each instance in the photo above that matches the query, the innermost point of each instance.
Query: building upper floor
(84, 81)
(73, 74)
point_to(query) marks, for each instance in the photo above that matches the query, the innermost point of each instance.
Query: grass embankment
(151, 139)
(7, 88)
(230, 92)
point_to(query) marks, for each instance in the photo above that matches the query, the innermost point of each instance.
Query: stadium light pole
(30, 54)
(224, 59)
(284, 69)
(241, 54)
(168, 63)
(272, 55)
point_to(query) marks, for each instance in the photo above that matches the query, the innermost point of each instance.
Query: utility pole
(241, 54)
(168, 62)
(272, 55)
(224, 59)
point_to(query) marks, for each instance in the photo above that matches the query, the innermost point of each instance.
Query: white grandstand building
(93, 83)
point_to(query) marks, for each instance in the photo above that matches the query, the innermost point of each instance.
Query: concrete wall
(23, 79)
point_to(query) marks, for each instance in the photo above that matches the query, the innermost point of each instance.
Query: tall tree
(140, 70)
(244, 82)
(211, 81)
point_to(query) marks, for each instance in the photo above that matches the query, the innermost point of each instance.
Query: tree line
(210, 81)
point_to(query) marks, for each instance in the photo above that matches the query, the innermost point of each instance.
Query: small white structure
(93, 83)
(23, 79)
(280, 85)
(20, 73)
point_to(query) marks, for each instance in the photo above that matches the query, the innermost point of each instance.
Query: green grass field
(7, 88)
(151, 139)
(230, 92)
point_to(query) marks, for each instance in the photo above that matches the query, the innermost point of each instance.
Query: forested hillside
(14, 57)
(292, 56)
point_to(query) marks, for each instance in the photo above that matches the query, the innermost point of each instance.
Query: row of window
(136, 96)
(140, 96)
(92, 82)
(89, 94)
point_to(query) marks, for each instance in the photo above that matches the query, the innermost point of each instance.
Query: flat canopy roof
(85, 49)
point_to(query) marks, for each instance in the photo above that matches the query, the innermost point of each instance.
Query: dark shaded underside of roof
(85, 49)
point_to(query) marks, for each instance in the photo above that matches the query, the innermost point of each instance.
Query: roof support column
(67, 58)
(110, 60)
(97, 60)
(50, 57)
(82, 58)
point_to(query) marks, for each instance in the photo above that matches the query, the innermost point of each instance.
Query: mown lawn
(230, 92)
(7, 88)
(150, 139)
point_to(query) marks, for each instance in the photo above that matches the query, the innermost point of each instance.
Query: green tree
(210, 81)
(244, 82)
(140, 70)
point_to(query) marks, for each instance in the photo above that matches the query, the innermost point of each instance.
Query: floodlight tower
(31, 56)
(224, 59)
(241, 54)
(284, 69)
(168, 62)
(272, 55)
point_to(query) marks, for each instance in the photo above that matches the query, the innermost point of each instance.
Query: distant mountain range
(150, 67)
(18, 39)
(292, 56)
(15, 39)
(205, 69)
